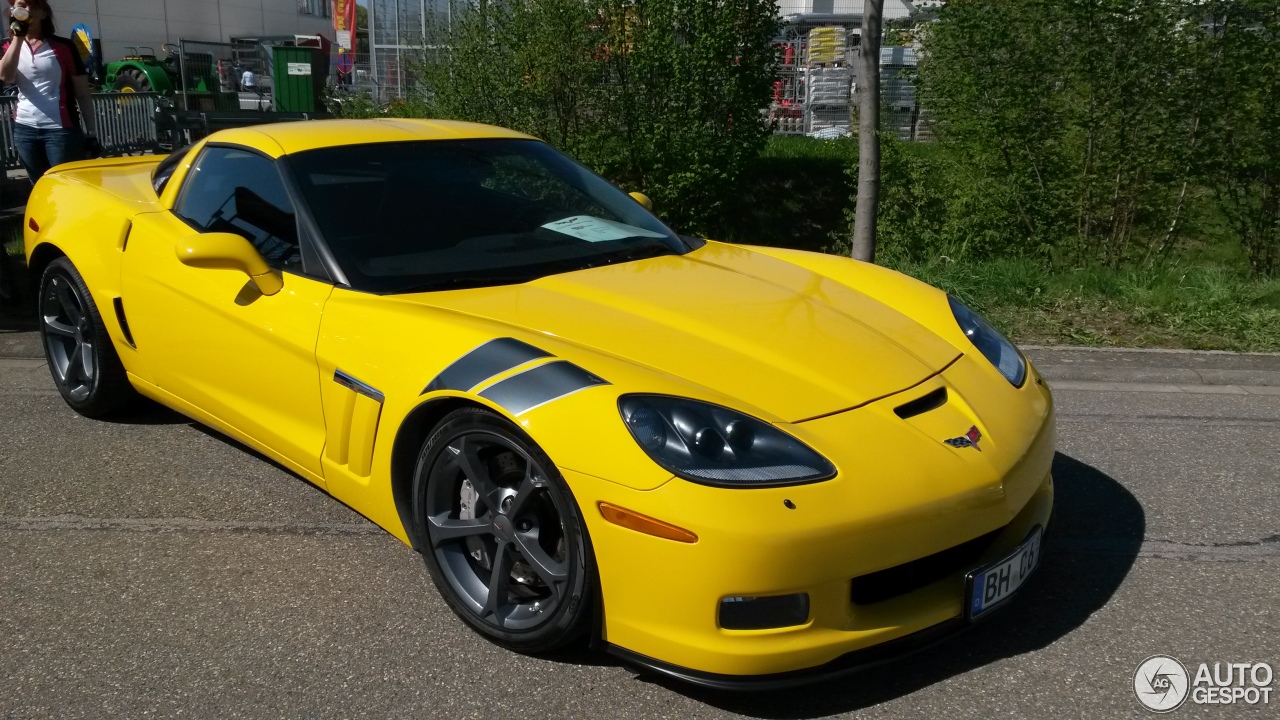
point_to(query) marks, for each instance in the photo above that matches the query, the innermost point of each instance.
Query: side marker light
(633, 520)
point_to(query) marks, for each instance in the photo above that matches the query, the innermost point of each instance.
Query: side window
(240, 192)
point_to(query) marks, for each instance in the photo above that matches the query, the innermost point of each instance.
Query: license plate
(991, 585)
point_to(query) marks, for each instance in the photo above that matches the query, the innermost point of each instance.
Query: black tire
(131, 80)
(520, 508)
(81, 358)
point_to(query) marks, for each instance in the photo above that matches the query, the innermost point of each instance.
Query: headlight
(714, 445)
(990, 343)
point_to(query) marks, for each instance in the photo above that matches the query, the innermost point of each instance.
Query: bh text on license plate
(991, 585)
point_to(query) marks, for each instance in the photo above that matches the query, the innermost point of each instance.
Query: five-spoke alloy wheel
(501, 533)
(83, 362)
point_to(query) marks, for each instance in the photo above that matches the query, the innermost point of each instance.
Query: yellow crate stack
(827, 46)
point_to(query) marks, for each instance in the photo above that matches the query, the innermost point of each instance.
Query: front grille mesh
(901, 579)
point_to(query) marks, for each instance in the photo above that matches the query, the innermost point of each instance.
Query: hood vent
(923, 404)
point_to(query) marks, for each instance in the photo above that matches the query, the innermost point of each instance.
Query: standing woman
(53, 91)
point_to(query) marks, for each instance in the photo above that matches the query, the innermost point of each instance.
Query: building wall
(154, 22)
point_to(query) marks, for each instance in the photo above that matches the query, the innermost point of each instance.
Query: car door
(207, 335)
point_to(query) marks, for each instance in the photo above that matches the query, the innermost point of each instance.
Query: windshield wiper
(628, 254)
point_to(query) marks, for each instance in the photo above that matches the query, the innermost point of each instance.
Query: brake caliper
(467, 511)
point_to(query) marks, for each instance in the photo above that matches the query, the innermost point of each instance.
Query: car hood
(779, 337)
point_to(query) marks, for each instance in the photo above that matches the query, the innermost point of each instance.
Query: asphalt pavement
(151, 567)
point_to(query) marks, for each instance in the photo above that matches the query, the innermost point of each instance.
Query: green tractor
(144, 72)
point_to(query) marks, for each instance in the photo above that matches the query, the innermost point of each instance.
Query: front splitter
(845, 664)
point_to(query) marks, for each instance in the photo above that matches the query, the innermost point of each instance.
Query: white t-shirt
(247, 80)
(44, 84)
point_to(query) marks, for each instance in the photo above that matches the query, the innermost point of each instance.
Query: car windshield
(441, 214)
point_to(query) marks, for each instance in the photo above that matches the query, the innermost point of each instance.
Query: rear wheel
(502, 535)
(81, 358)
(131, 80)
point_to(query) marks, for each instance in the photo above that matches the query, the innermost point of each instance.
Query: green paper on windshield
(594, 229)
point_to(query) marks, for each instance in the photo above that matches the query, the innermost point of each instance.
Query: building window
(321, 8)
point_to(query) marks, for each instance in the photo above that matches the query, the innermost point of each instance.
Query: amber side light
(633, 520)
(31, 223)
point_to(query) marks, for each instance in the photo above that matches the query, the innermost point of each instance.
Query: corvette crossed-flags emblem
(969, 439)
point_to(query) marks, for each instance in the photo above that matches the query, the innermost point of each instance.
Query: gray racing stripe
(483, 363)
(540, 385)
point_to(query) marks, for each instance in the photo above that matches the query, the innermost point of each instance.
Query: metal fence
(899, 106)
(212, 75)
(381, 86)
(126, 124)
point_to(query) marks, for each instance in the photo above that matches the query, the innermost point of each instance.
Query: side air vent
(352, 410)
(124, 323)
(923, 404)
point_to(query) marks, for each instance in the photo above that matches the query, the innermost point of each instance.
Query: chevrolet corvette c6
(734, 465)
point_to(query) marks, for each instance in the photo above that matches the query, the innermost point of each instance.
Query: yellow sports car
(739, 466)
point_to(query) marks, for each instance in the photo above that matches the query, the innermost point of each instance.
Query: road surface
(152, 567)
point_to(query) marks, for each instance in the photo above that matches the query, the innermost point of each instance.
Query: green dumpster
(298, 75)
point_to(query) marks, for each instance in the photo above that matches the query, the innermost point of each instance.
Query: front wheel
(131, 80)
(83, 361)
(502, 535)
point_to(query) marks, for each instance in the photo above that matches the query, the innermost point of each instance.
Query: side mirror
(228, 251)
(643, 200)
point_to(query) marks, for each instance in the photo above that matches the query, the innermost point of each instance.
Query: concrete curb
(1191, 389)
(1154, 351)
(1166, 375)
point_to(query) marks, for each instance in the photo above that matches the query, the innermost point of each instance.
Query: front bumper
(907, 498)
(843, 665)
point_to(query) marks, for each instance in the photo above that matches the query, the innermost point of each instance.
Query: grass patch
(11, 236)
(13, 271)
(1203, 307)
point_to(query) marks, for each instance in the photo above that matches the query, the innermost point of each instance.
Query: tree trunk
(864, 222)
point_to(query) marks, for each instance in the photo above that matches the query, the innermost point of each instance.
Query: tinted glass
(241, 192)
(417, 216)
(165, 169)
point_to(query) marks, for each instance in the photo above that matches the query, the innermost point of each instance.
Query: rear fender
(91, 228)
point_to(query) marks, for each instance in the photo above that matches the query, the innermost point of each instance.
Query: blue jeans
(40, 149)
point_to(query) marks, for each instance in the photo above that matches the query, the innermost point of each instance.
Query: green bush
(1074, 116)
(1083, 130)
(663, 96)
(1238, 146)
(792, 195)
(933, 205)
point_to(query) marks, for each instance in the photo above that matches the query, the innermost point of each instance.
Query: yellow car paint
(289, 138)
(887, 506)
(692, 316)
(228, 251)
(324, 378)
(209, 336)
